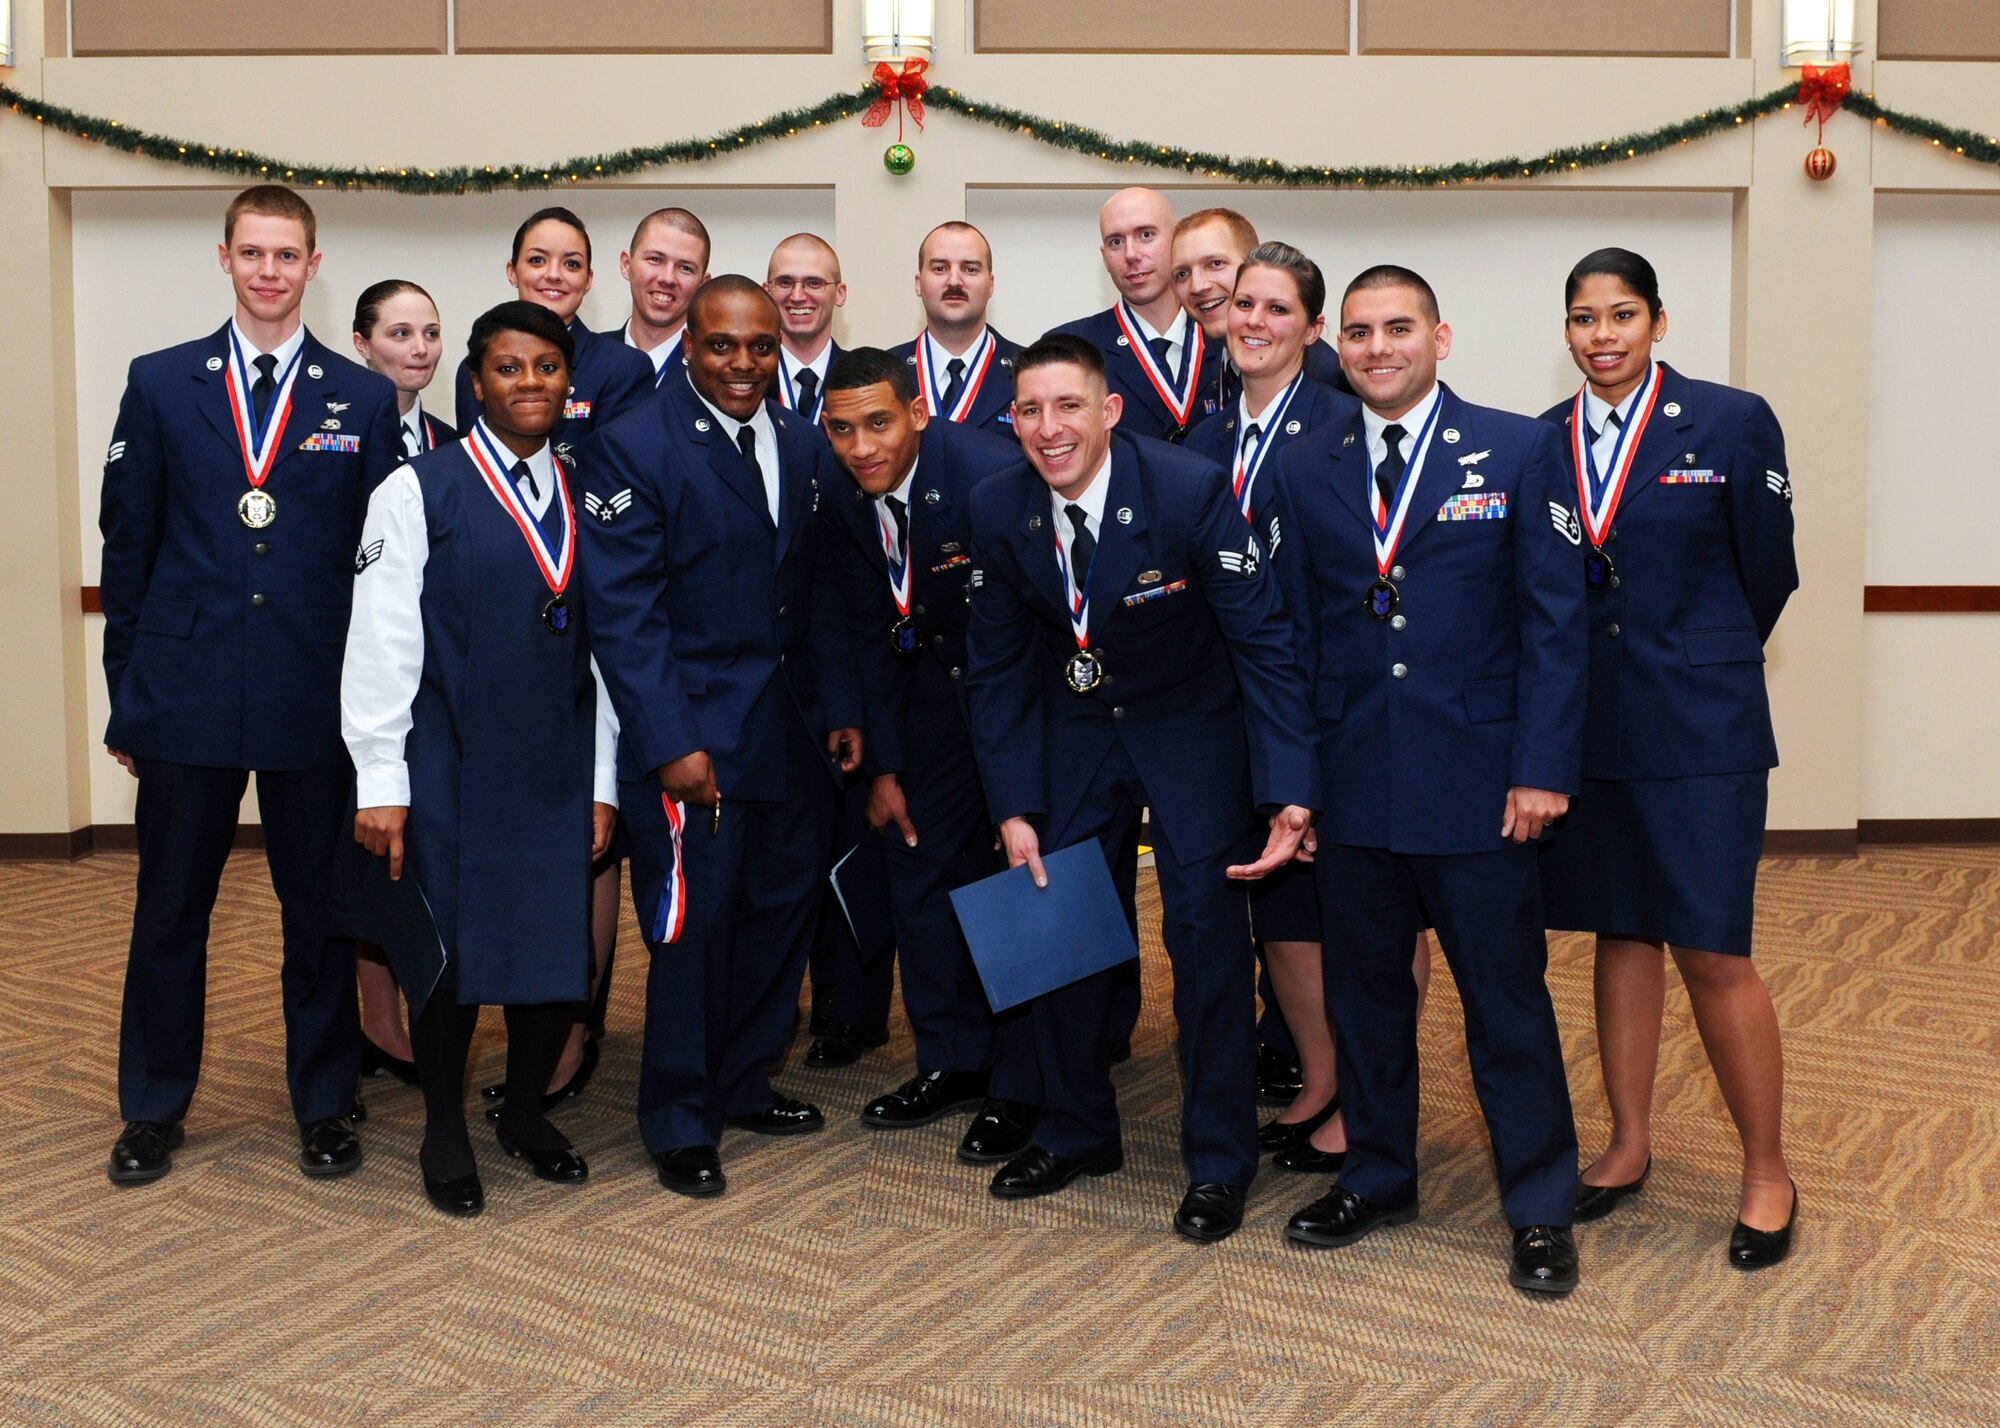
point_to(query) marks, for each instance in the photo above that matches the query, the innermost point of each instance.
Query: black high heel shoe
(374, 1061)
(558, 1167)
(1276, 1135)
(569, 1090)
(1760, 1249)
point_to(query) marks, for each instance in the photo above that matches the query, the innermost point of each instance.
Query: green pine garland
(466, 178)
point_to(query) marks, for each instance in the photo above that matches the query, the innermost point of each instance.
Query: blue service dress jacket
(1312, 407)
(1146, 411)
(1477, 684)
(711, 628)
(993, 403)
(1702, 549)
(223, 643)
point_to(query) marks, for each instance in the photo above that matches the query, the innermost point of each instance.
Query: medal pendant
(256, 509)
(1383, 599)
(1597, 569)
(558, 615)
(1084, 672)
(903, 637)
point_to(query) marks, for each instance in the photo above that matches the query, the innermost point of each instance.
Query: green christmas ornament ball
(899, 159)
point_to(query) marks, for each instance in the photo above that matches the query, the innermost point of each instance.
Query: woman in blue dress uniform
(396, 333)
(480, 741)
(1276, 317)
(1683, 525)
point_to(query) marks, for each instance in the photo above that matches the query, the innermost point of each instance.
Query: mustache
(956, 292)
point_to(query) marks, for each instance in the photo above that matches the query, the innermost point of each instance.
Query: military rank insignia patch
(367, 555)
(1566, 522)
(607, 509)
(1779, 483)
(117, 450)
(1243, 562)
(1276, 536)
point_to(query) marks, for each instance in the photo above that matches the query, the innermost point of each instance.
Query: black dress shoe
(1340, 1217)
(375, 1061)
(691, 1170)
(1594, 1202)
(1211, 1212)
(1284, 1135)
(842, 1045)
(1756, 1249)
(1001, 1131)
(462, 1195)
(1544, 1260)
(558, 1167)
(1279, 1078)
(925, 1098)
(1036, 1171)
(144, 1151)
(329, 1147)
(782, 1117)
(568, 1091)
(1308, 1159)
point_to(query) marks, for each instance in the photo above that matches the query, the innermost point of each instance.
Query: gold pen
(715, 819)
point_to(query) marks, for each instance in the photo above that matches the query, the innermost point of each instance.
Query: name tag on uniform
(331, 441)
(574, 410)
(1695, 478)
(1475, 506)
(1155, 594)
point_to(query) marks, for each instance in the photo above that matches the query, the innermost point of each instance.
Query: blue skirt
(1284, 905)
(1667, 859)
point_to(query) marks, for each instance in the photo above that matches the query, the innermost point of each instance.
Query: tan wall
(1161, 26)
(257, 27)
(1940, 29)
(1545, 27)
(645, 27)
(1801, 258)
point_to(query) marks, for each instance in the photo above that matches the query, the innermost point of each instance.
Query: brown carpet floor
(863, 1278)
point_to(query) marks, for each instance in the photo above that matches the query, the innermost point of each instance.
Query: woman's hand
(380, 831)
(603, 821)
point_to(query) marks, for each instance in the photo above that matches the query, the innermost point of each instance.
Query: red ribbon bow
(909, 87)
(1821, 91)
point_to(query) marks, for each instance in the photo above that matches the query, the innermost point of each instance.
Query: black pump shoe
(1286, 1135)
(1594, 1202)
(568, 1091)
(1760, 1249)
(375, 1061)
(462, 1196)
(558, 1167)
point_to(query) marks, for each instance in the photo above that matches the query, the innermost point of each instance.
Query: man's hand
(1289, 827)
(603, 819)
(690, 779)
(1023, 846)
(886, 806)
(380, 831)
(845, 745)
(1529, 811)
(124, 759)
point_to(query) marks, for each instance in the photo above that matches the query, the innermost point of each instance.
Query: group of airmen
(1218, 568)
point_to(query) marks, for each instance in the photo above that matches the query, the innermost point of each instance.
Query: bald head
(1135, 230)
(804, 281)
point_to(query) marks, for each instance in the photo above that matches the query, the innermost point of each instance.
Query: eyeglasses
(811, 285)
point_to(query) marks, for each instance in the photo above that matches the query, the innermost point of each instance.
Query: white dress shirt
(790, 367)
(887, 518)
(941, 358)
(766, 433)
(1092, 500)
(1603, 436)
(1412, 422)
(384, 664)
(1176, 335)
(284, 351)
(413, 426)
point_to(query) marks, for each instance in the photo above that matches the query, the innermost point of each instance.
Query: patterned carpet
(863, 1278)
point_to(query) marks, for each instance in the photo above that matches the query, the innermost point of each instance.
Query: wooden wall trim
(1894, 831)
(1810, 843)
(1930, 599)
(93, 600)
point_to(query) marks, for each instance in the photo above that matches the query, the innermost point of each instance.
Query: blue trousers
(1206, 927)
(720, 1001)
(186, 819)
(1487, 910)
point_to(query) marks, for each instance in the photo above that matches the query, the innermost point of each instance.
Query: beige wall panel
(1929, 687)
(1161, 26)
(1545, 27)
(259, 27)
(1965, 94)
(648, 27)
(1939, 29)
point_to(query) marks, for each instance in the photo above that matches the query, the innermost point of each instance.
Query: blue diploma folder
(1027, 941)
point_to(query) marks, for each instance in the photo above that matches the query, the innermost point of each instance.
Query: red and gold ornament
(1821, 93)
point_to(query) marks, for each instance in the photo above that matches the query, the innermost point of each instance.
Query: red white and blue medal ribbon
(1079, 600)
(486, 455)
(259, 443)
(788, 396)
(1598, 494)
(976, 363)
(1388, 523)
(1179, 402)
(899, 560)
(671, 915)
(1246, 471)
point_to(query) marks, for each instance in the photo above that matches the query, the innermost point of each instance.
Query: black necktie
(900, 514)
(1391, 469)
(746, 442)
(264, 388)
(1082, 546)
(525, 477)
(1250, 437)
(808, 384)
(1161, 346)
(550, 520)
(1612, 422)
(954, 372)
(411, 446)
(1228, 386)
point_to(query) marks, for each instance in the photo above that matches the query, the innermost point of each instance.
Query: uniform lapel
(1037, 541)
(930, 494)
(1119, 552)
(1662, 444)
(1348, 473)
(796, 491)
(996, 392)
(309, 398)
(1434, 485)
(212, 397)
(723, 457)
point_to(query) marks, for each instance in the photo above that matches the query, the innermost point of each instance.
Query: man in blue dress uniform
(1128, 650)
(233, 494)
(719, 630)
(1441, 604)
(964, 369)
(666, 265)
(905, 568)
(803, 279)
